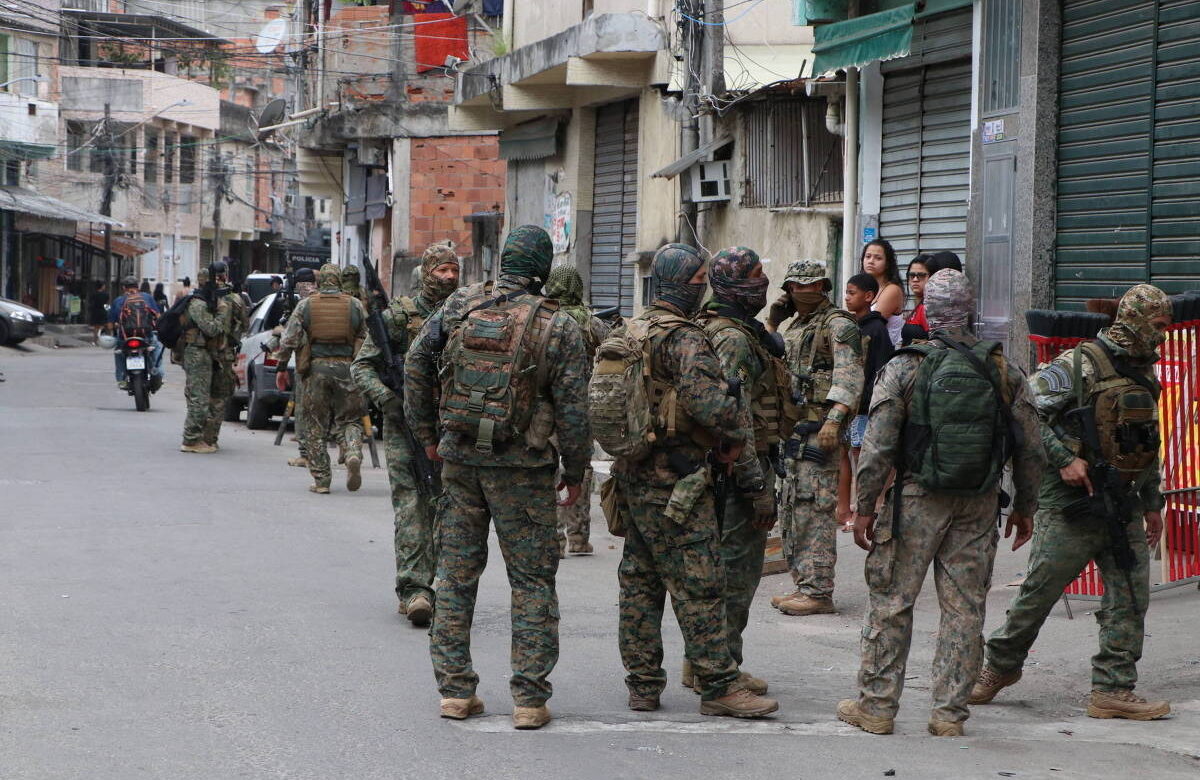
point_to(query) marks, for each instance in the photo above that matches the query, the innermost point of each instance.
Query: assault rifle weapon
(426, 473)
(1109, 500)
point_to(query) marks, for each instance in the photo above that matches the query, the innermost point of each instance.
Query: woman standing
(879, 260)
(160, 297)
(917, 326)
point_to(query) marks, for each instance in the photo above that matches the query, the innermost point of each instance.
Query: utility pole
(693, 58)
(110, 182)
(218, 198)
(713, 79)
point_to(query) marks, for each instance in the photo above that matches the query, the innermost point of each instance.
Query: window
(150, 163)
(77, 135)
(187, 159)
(1001, 55)
(24, 66)
(791, 159)
(169, 157)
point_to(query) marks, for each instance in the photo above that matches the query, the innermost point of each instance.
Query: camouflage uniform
(203, 326)
(957, 533)
(232, 315)
(661, 555)
(415, 531)
(513, 485)
(331, 400)
(1062, 547)
(824, 355)
(566, 286)
(352, 285)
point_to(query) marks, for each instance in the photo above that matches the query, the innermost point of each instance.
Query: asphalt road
(168, 615)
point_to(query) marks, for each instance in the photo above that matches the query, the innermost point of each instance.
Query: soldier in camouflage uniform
(304, 284)
(565, 285)
(957, 533)
(511, 481)
(678, 551)
(352, 284)
(325, 331)
(233, 317)
(824, 355)
(748, 355)
(414, 516)
(202, 335)
(1063, 541)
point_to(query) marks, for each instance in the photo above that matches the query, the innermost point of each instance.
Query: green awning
(876, 37)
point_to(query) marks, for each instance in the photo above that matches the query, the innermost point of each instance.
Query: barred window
(791, 159)
(1001, 55)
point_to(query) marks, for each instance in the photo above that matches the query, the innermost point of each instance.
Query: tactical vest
(403, 335)
(1126, 411)
(329, 323)
(494, 366)
(814, 365)
(669, 420)
(771, 393)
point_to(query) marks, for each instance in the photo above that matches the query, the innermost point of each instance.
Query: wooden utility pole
(693, 61)
(110, 183)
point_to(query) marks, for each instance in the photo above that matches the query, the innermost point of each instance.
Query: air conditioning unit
(710, 181)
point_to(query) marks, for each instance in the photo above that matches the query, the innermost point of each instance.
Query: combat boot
(640, 703)
(782, 597)
(199, 447)
(945, 728)
(322, 489)
(800, 604)
(580, 548)
(848, 711)
(461, 709)
(990, 683)
(301, 462)
(739, 703)
(419, 610)
(1125, 704)
(530, 717)
(353, 473)
(751, 683)
(686, 678)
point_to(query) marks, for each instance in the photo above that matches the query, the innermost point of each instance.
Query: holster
(610, 506)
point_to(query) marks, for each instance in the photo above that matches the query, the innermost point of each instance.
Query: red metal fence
(1179, 425)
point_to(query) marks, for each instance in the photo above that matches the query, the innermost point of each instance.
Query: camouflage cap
(807, 272)
(329, 277)
(437, 254)
(350, 272)
(565, 285)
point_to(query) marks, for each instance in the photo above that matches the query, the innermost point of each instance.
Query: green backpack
(959, 431)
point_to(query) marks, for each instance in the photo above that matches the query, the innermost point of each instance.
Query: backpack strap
(1014, 432)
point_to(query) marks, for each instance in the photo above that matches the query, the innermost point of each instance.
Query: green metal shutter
(1128, 148)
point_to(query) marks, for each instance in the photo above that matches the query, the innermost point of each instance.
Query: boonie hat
(807, 272)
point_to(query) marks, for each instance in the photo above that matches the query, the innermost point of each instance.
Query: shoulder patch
(1055, 378)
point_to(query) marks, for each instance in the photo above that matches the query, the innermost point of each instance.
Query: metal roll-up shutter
(1128, 148)
(925, 174)
(614, 206)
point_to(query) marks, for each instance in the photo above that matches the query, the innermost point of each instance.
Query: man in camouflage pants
(746, 351)
(414, 515)
(671, 532)
(1064, 541)
(202, 335)
(513, 483)
(955, 533)
(325, 330)
(565, 285)
(232, 314)
(824, 356)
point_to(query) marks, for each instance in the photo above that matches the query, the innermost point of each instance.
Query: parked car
(255, 370)
(19, 322)
(258, 286)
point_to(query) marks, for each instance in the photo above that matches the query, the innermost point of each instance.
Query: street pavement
(169, 615)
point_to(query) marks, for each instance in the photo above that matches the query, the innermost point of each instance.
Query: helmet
(218, 268)
(107, 341)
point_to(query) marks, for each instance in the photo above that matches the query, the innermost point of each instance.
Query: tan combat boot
(461, 709)
(782, 597)
(1125, 704)
(739, 703)
(419, 610)
(945, 728)
(322, 489)
(751, 683)
(300, 462)
(530, 717)
(640, 703)
(990, 683)
(848, 711)
(800, 604)
(353, 473)
(580, 548)
(198, 447)
(687, 678)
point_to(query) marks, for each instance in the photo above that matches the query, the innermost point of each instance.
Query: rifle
(1108, 501)
(289, 297)
(426, 473)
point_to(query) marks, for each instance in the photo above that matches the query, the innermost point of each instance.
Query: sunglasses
(917, 275)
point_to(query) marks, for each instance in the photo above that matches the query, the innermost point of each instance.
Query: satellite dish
(272, 114)
(270, 36)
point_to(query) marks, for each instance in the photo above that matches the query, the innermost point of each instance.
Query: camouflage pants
(743, 548)
(414, 519)
(332, 403)
(1058, 553)
(661, 557)
(809, 523)
(219, 392)
(521, 504)
(199, 366)
(575, 522)
(958, 536)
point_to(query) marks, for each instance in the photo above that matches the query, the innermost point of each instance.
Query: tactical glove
(827, 437)
(764, 509)
(780, 310)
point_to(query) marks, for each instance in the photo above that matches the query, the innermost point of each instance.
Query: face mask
(436, 289)
(807, 301)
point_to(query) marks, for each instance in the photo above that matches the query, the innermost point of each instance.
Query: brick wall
(451, 178)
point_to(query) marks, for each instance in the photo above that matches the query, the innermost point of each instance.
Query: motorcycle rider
(134, 298)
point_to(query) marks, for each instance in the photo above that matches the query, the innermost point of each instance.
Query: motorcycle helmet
(107, 341)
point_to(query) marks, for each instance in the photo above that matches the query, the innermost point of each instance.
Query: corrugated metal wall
(790, 158)
(614, 210)
(1128, 148)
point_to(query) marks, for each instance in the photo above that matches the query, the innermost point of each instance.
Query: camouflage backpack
(493, 365)
(1126, 410)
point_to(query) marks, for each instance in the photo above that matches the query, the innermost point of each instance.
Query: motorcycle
(137, 352)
